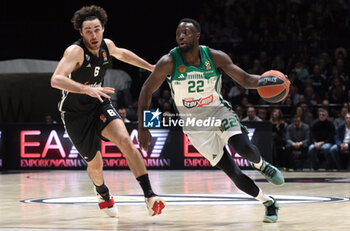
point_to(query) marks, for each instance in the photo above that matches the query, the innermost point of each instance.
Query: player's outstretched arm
(127, 56)
(162, 69)
(223, 61)
(72, 59)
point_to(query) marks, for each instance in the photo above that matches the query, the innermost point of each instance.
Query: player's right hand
(99, 92)
(145, 138)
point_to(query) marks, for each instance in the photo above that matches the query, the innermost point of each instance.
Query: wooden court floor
(196, 200)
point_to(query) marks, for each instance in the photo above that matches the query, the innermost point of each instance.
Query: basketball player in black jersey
(86, 110)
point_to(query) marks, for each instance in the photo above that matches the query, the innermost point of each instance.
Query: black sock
(103, 191)
(145, 185)
(242, 181)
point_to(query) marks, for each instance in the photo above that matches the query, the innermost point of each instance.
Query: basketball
(273, 86)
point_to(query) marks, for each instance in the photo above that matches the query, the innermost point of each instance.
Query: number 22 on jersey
(195, 86)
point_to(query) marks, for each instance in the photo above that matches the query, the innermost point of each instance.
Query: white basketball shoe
(108, 207)
(155, 205)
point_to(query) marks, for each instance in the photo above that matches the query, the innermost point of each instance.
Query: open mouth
(94, 42)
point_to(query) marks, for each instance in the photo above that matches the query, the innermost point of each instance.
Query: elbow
(53, 82)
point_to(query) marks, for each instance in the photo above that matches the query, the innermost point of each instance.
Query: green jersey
(196, 90)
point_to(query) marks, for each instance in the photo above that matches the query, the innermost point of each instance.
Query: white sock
(258, 165)
(262, 197)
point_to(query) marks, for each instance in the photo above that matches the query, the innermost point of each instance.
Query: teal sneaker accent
(271, 211)
(271, 173)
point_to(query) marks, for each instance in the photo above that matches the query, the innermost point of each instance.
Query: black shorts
(84, 129)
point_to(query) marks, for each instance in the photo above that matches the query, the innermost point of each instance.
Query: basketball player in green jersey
(193, 73)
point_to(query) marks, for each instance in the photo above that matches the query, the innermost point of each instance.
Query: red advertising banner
(49, 147)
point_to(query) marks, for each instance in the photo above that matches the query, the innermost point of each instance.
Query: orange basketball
(273, 86)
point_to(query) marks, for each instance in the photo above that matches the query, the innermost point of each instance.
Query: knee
(326, 147)
(96, 167)
(125, 144)
(334, 149)
(311, 148)
(243, 148)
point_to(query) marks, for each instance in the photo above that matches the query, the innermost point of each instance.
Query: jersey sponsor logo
(207, 65)
(93, 84)
(182, 69)
(191, 102)
(206, 101)
(181, 76)
(89, 65)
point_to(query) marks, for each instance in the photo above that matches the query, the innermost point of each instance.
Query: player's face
(186, 36)
(92, 33)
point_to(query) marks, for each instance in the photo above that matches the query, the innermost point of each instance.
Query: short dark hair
(89, 13)
(296, 117)
(194, 22)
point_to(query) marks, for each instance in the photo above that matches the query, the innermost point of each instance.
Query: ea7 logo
(159, 137)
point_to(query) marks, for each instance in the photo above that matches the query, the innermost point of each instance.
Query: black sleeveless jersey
(90, 73)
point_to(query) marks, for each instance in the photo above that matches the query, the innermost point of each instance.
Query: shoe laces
(268, 170)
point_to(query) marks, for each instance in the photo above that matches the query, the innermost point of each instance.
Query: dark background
(42, 30)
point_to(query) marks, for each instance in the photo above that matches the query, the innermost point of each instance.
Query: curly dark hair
(89, 13)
